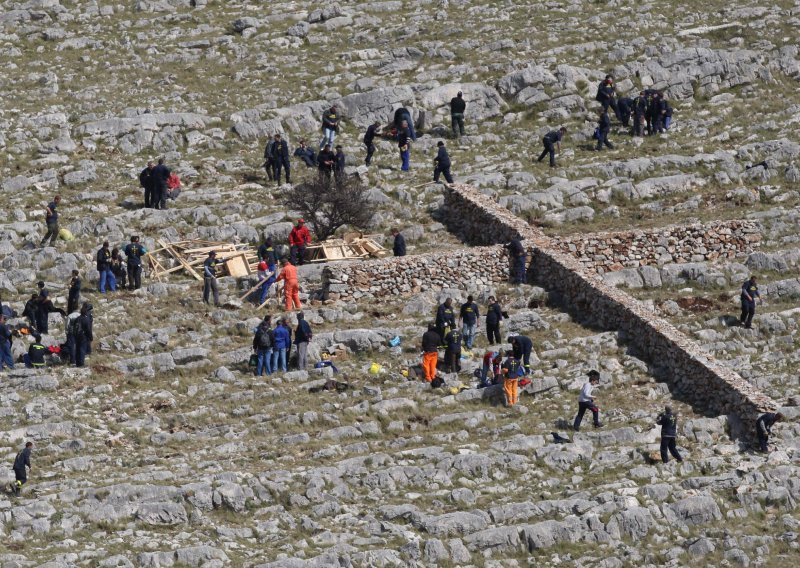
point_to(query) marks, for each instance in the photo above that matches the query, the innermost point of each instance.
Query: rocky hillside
(166, 451)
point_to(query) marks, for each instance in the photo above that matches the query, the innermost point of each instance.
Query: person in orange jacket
(299, 237)
(291, 289)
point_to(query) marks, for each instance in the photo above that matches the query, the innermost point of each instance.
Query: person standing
(280, 155)
(160, 176)
(404, 144)
(517, 259)
(445, 318)
(302, 337)
(267, 255)
(457, 107)
(51, 220)
(764, 426)
(430, 352)
(494, 315)
(291, 288)
(83, 334)
(369, 141)
(22, 466)
(263, 343)
(210, 278)
(269, 158)
(452, 352)
(402, 115)
(521, 346)
(749, 295)
(511, 370)
(134, 252)
(299, 238)
(146, 181)
(326, 162)
(341, 159)
(330, 126)
(469, 315)
(550, 141)
(442, 164)
(6, 359)
(74, 292)
(118, 268)
(45, 307)
(399, 243)
(669, 430)
(606, 95)
(639, 113)
(283, 342)
(603, 128)
(104, 268)
(586, 402)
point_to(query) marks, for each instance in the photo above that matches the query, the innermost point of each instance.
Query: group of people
(272, 345)
(116, 269)
(159, 184)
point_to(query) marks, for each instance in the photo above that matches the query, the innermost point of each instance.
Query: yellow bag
(375, 369)
(65, 235)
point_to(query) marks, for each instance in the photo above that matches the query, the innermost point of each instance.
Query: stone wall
(612, 251)
(694, 374)
(471, 268)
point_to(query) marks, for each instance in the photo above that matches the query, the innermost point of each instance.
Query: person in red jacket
(299, 237)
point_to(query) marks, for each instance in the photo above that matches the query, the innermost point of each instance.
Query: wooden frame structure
(189, 255)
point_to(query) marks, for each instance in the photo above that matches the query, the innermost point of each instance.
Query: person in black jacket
(442, 164)
(160, 174)
(82, 334)
(669, 430)
(22, 461)
(134, 252)
(280, 157)
(402, 115)
(457, 107)
(469, 315)
(445, 318)
(550, 141)
(269, 158)
(338, 171)
(31, 310)
(606, 95)
(517, 259)
(399, 245)
(430, 352)
(639, 114)
(603, 128)
(452, 353)
(369, 140)
(104, 268)
(302, 336)
(625, 105)
(6, 359)
(36, 352)
(45, 308)
(74, 292)
(404, 144)
(522, 346)
(764, 426)
(494, 316)
(263, 343)
(146, 181)
(306, 154)
(326, 161)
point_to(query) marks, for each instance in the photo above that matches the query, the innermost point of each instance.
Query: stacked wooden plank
(352, 246)
(232, 259)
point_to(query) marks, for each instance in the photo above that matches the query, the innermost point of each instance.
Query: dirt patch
(697, 305)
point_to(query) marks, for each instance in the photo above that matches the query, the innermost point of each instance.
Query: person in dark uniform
(517, 257)
(764, 426)
(469, 315)
(457, 107)
(669, 430)
(399, 245)
(749, 295)
(445, 318)
(639, 114)
(51, 220)
(269, 159)
(521, 347)
(6, 358)
(160, 175)
(452, 352)
(34, 358)
(306, 154)
(338, 171)
(21, 462)
(369, 140)
(326, 161)
(146, 181)
(494, 315)
(210, 278)
(442, 164)
(280, 156)
(550, 141)
(603, 128)
(83, 334)
(134, 252)
(625, 106)
(404, 144)
(118, 268)
(404, 115)
(74, 292)
(607, 95)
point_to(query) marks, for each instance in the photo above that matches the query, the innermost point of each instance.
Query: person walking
(749, 295)
(107, 278)
(603, 128)
(550, 141)
(283, 342)
(330, 126)
(280, 156)
(399, 243)
(369, 141)
(51, 220)
(441, 164)
(430, 352)
(74, 292)
(764, 426)
(404, 144)
(21, 467)
(469, 315)
(6, 359)
(494, 315)
(291, 288)
(302, 337)
(134, 252)
(83, 334)
(669, 430)
(160, 176)
(210, 278)
(263, 343)
(146, 182)
(299, 238)
(586, 402)
(457, 107)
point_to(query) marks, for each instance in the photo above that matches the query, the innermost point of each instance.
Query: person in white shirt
(586, 402)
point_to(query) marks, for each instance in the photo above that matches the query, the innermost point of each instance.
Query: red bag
(173, 181)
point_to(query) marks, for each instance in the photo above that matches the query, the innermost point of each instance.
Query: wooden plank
(178, 257)
(260, 282)
(237, 266)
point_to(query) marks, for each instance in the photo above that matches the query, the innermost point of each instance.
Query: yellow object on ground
(65, 235)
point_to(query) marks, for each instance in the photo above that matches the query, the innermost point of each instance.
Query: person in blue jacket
(283, 341)
(442, 164)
